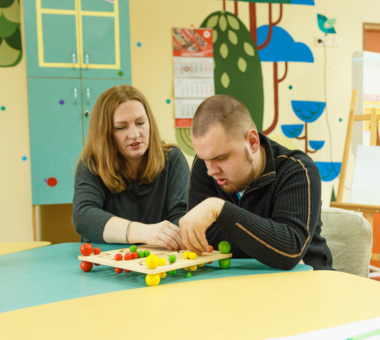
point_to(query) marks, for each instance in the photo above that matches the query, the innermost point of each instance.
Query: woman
(130, 187)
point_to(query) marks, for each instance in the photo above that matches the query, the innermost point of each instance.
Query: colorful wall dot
(51, 182)
(168, 101)
(340, 119)
(3, 108)
(61, 102)
(139, 44)
(290, 87)
(24, 158)
(121, 73)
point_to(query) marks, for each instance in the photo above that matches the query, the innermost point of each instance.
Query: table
(211, 305)
(12, 247)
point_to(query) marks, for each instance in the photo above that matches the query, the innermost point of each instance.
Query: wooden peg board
(107, 258)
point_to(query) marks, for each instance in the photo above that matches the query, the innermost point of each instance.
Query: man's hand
(194, 224)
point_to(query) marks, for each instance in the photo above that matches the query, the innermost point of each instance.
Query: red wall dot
(52, 182)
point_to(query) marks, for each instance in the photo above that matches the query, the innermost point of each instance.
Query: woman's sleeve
(89, 218)
(178, 186)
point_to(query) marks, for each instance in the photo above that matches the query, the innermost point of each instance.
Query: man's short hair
(231, 113)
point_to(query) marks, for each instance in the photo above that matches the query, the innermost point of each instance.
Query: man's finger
(195, 242)
(186, 241)
(203, 241)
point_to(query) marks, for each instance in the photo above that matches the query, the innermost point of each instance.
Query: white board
(365, 187)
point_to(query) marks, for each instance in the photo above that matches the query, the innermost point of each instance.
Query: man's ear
(253, 139)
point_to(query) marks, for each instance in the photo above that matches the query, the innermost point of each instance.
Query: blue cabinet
(76, 49)
(78, 38)
(55, 123)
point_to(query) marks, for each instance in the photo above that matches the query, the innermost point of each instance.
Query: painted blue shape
(302, 2)
(168, 101)
(139, 44)
(24, 158)
(328, 170)
(282, 47)
(290, 87)
(316, 144)
(292, 131)
(53, 274)
(308, 111)
(321, 24)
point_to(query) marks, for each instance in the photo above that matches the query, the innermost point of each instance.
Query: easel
(374, 140)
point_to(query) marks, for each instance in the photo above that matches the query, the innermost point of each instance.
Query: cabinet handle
(87, 61)
(87, 113)
(74, 60)
(88, 96)
(75, 95)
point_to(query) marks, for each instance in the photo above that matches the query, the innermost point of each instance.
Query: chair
(349, 237)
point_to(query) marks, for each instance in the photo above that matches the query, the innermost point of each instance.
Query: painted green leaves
(237, 64)
(183, 138)
(10, 36)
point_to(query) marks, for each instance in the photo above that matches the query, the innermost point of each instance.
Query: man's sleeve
(178, 184)
(282, 240)
(89, 218)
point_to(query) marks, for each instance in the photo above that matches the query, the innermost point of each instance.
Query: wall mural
(10, 35)
(238, 54)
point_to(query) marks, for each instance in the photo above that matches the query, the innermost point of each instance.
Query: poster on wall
(193, 71)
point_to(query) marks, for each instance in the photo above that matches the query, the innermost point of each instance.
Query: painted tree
(233, 67)
(237, 66)
(10, 36)
(271, 23)
(263, 37)
(308, 112)
(281, 48)
(328, 170)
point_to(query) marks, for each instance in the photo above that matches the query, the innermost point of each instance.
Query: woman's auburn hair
(100, 153)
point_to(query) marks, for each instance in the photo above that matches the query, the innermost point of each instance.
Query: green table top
(50, 274)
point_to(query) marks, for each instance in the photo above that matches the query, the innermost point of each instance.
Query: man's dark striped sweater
(278, 219)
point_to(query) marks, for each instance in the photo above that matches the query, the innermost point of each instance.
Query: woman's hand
(164, 234)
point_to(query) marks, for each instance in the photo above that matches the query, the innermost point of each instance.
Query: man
(262, 198)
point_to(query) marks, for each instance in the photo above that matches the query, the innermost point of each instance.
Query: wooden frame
(374, 140)
(107, 258)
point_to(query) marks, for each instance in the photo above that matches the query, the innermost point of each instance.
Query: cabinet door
(105, 39)
(52, 38)
(92, 89)
(55, 121)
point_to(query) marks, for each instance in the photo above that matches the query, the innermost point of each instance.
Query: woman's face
(131, 130)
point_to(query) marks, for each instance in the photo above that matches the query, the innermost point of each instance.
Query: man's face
(229, 160)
